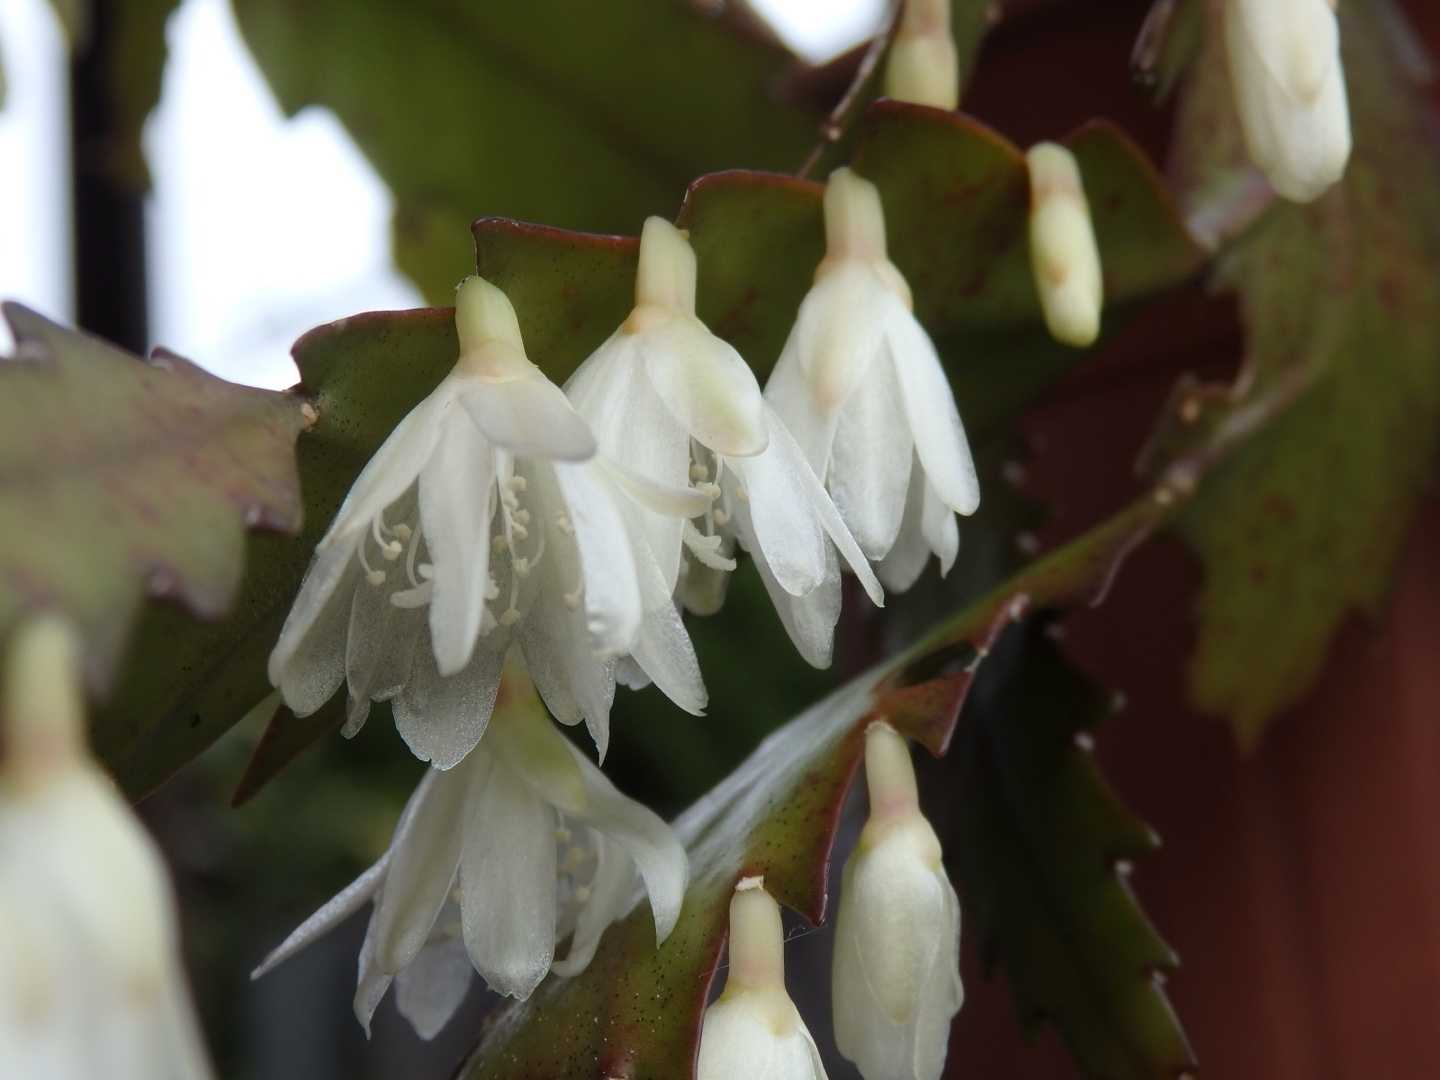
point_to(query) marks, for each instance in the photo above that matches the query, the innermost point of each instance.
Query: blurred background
(1300, 883)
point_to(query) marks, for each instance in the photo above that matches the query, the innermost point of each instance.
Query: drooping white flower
(672, 406)
(896, 975)
(1064, 257)
(861, 387)
(1289, 84)
(753, 1029)
(494, 863)
(923, 66)
(91, 982)
(480, 521)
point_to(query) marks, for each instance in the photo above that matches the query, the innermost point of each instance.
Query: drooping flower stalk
(860, 385)
(494, 863)
(91, 982)
(895, 982)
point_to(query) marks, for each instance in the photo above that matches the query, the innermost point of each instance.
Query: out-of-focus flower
(753, 1029)
(923, 66)
(91, 983)
(496, 861)
(1289, 84)
(860, 386)
(1064, 256)
(478, 522)
(896, 974)
(672, 406)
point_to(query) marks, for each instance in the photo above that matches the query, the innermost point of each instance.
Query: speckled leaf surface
(585, 116)
(1341, 301)
(121, 477)
(776, 815)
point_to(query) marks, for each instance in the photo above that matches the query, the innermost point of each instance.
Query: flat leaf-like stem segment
(1058, 914)
(1339, 400)
(121, 477)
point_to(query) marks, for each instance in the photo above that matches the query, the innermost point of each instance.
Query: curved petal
(941, 531)
(307, 664)
(871, 462)
(930, 405)
(941, 997)
(607, 560)
(563, 662)
(508, 884)
(657, 498)
(424, 857)
(371, 983)
(809, 620)
(530, 416)
(641, 834)
(787, 391)
(706, 386)
(455, 517)
(330, 915)
(907, 558)
(782, 516)
(442, 719)
(380, 646)
(612, 891)
(431, 987)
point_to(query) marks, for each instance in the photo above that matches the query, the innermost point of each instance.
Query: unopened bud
(43, 711)
(1064, 256)
(924, 67)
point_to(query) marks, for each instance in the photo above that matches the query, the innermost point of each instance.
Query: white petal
(530, 417)
(508, 884)
(941, 531)
(334, 911)
(930, 406)
(564, 664)
(455, 488)
(810, 619)
(788, 392)
(657, 498)
(307, 664)
(644, 836)
(432, 986)
(380, 646)
(395, 465)
(611, 891)
(706, 386)
(738, 1039)
(906, 561)
(371, 983)
(607, 561)
(1297, 43)
(784, 523)
(441, 719)
(871, 460)
(424, 856)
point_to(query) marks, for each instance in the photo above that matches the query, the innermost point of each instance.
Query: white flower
(923, 66)
(861, 387)
(90, 976)
(496, 861)
(896, 974)
(1064, 256)
(479, 521)
(753, 1030)
(672, 405)
(1289, 85)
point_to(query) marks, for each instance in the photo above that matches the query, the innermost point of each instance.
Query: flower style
(91, 982)
(496, 861)
(896, 974)
(1289, 86)
(860, 385)
(673, 406)
(480, 521)
(1064, 256)
(753, 1029)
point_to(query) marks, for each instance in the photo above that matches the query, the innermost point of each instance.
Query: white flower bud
(896, 975)
(753, 1030)
(1289, 86)
(923, 67)
(1064, 256)
(90, 979)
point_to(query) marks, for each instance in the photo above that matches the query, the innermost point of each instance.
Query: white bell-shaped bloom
(493, 864)
(480, 521)
(923, 66)
(753, 1029)
(1064, 256)
(91, 982)
(861, 387)
(1289, 84)
(896, 973)
(674, 406)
